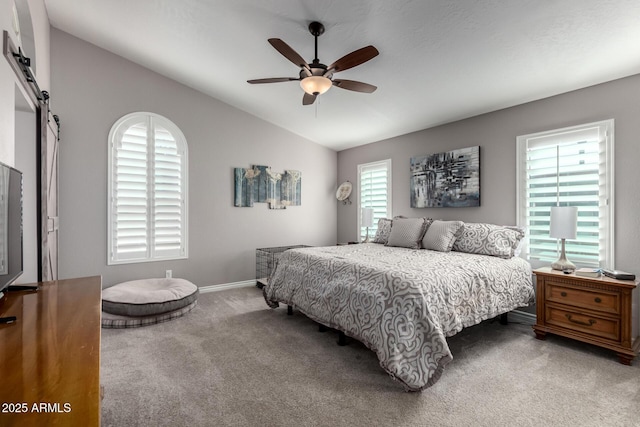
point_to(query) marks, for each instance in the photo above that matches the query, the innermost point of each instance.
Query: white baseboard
(522, 317)
(225, 286)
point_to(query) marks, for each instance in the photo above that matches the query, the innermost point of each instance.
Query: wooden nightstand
(592, 310)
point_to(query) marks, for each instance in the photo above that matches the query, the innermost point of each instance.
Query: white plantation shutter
(148, 189)
(374, 184)
(130, 213)
(168, 200)
(568, 167)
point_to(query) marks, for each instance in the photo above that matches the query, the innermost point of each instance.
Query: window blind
(375, 192)
(168, 195)
(568, 168)
(148, 190)
(131, 219)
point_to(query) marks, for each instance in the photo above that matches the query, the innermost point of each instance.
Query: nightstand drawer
(581, 322)
(598, 300)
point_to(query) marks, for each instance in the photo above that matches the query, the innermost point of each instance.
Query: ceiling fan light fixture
(316, 78)
(315, 85)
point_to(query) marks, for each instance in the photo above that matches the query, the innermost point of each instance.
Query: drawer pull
(564, 294)
(580, 322)
(598, 300)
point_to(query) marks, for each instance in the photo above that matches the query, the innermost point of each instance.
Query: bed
(401, 303)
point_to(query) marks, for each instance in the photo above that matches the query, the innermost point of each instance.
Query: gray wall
(92, 88)
(496, 134)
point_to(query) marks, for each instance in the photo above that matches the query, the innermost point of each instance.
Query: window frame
(605, 130)
(115, 134)
(386, 163)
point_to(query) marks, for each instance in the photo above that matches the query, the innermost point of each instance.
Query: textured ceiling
(439, 61)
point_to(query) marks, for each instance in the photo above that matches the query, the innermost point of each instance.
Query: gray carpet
(232, 361)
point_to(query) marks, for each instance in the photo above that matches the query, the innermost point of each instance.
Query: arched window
(147, 190)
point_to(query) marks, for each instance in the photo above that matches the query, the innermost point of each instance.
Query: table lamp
(563, 225)
(367, 221)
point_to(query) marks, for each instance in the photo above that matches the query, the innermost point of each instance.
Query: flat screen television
(11, 256)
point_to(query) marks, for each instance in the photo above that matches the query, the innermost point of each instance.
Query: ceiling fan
(316, 78)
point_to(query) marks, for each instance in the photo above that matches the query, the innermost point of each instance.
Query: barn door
(49, 195)
(48, 131)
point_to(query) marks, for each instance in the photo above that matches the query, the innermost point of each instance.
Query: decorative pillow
(407, 232)
(489, 239)
(441, 235)
(383, 231)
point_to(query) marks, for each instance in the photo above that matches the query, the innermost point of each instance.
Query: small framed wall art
(259, 184)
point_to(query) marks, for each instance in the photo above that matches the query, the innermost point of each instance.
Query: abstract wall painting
(260, 184)
(446, 180)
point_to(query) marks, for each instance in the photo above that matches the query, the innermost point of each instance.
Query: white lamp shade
(315, 85)
(564, 222)
(367, 217)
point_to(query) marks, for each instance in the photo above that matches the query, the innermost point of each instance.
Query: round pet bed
(149, 298)
(113, 321)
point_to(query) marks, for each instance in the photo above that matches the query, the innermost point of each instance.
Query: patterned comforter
(401, 303)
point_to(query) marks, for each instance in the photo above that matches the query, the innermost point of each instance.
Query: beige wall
(93, 88)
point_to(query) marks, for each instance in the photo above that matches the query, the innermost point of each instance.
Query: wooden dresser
(50, 357)
(592, 310)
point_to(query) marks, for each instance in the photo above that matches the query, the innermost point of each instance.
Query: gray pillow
(489, 239)
(441, 235)
(407, 232)
(383, 231)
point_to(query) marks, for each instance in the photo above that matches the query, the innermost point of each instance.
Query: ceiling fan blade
(308, 99)
(354, 86)
(288, 52)
(353, 59)
(273, 80)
